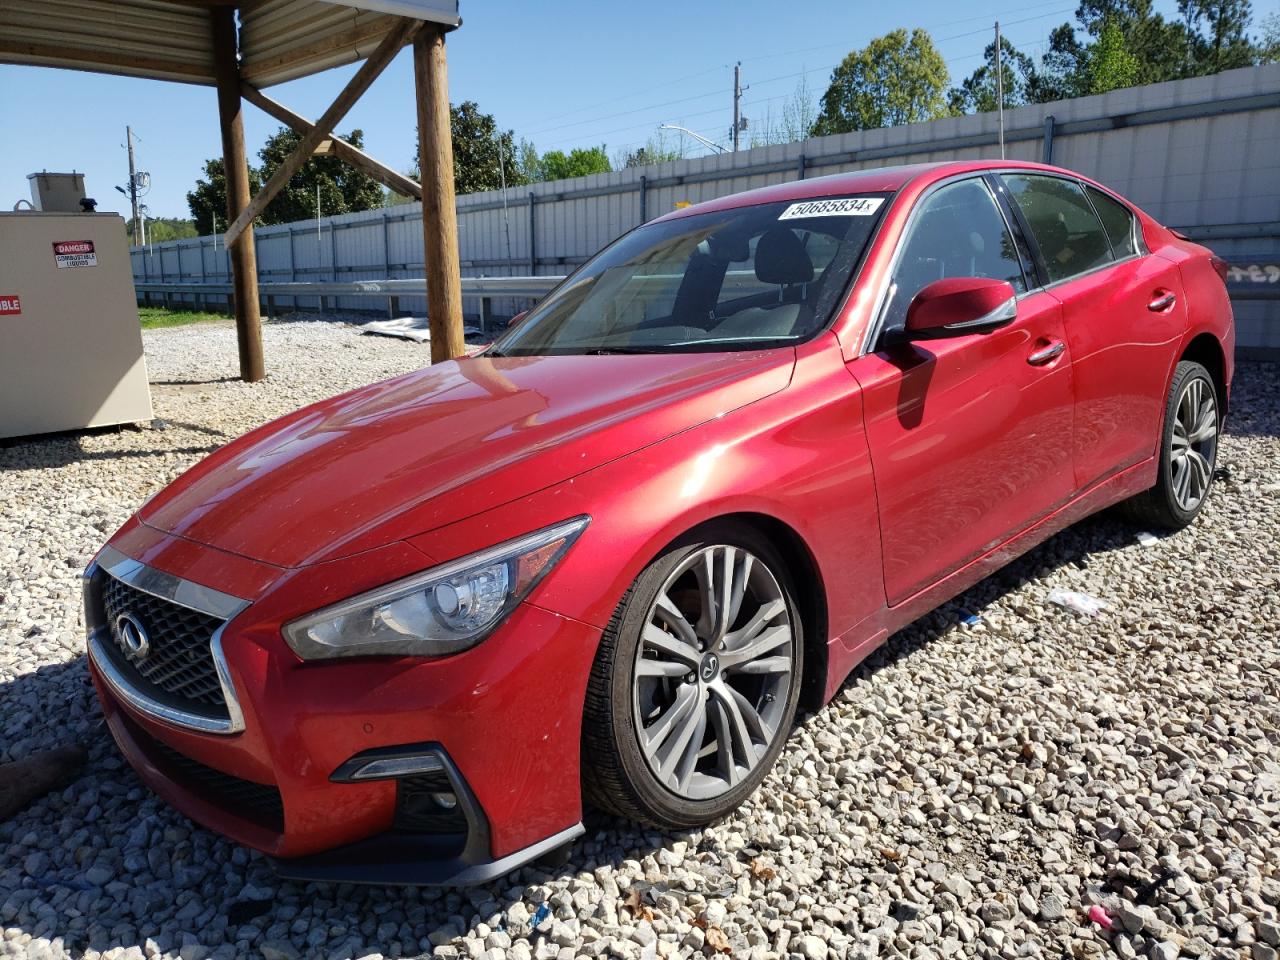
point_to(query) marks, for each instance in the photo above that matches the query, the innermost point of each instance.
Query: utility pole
(737, 103)
(999, 91)
(133, 183)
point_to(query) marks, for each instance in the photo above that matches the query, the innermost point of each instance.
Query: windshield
(741, 279)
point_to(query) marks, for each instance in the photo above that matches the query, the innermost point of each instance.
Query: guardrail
(483, 287)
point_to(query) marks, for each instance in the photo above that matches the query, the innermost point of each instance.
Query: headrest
(782, 258)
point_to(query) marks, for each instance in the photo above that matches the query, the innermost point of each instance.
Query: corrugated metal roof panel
(172, 39)
(145, 38)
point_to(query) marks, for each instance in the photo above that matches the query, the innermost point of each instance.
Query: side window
(1066, 229)
(1120, 224)
(957, 232)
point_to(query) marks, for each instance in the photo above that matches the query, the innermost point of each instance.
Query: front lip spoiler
(404, 859)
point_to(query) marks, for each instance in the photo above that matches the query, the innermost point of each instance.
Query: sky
(562, 74)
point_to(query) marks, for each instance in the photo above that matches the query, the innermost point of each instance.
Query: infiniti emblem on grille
(133, 635)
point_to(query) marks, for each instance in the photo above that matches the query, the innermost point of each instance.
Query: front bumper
(506, 717)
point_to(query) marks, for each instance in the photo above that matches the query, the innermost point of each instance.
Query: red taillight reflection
(1221, 266)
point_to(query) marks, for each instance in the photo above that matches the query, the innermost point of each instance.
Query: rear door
(970, 437)
(1123, 312)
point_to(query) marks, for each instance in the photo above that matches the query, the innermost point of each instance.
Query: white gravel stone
(969, 792)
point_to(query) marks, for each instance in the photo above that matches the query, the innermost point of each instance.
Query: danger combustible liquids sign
(75, 253)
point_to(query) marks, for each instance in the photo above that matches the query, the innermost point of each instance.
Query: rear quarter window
(1118, 221)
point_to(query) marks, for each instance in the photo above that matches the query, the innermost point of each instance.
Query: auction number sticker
(10, 304)
(836, 207)
(75, 253)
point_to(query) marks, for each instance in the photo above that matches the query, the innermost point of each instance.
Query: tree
(528, 162)
(343, 188)
(481, 154)
(977, 94)
(895, 79)
(1269, 45)
(1217, 34)
(657, 149)
(579, 162)
(209, 198)
(1110, 64)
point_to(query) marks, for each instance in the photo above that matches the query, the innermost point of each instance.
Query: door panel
(970, 441)
(1123, 324)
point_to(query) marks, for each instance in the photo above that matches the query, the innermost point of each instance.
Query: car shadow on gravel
(103, 863)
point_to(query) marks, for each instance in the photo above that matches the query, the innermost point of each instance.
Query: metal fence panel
(1201, 154)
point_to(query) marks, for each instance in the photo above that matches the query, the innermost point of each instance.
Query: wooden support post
(244, 257)
(439, 216)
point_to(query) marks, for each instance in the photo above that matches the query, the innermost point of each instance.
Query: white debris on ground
(970, 792)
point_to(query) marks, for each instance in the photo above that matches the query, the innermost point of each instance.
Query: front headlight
(440, 611)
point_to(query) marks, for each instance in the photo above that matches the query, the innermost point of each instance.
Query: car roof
(874, 180)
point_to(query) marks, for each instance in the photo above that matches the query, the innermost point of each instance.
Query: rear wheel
(695, 685)
(1188, 452)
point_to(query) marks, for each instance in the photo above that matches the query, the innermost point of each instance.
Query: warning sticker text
(75, 253)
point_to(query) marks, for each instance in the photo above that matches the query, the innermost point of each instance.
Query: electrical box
(57, 192)
(70, 340)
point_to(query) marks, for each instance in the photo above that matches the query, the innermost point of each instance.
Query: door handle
(1162, 302)
(1045, 354)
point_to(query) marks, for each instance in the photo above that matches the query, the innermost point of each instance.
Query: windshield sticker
(841, 207)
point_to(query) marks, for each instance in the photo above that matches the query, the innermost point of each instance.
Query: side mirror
(958, 306)
(517, 319)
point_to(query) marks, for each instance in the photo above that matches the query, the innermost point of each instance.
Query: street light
(697, 136)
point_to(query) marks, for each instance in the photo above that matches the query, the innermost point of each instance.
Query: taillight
(1221, 266)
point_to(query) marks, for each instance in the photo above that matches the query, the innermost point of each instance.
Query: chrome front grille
(156, 641)
(178, 661)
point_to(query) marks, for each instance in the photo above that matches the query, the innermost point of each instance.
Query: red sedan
(405, 634)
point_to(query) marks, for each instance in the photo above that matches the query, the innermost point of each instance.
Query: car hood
(402, 457)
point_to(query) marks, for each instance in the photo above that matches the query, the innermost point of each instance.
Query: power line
(757, 83)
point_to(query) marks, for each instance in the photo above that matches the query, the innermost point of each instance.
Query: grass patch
(153, 317)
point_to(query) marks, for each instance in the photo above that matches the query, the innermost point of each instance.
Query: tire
(647, 704)
(1188, 452)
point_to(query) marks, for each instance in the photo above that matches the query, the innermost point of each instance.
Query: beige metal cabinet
(70, 342)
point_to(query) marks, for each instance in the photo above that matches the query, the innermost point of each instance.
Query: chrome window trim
(184, 593)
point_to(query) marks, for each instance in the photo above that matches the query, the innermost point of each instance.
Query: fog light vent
(427, 804)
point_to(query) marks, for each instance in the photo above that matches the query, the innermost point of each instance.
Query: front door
(970, 437)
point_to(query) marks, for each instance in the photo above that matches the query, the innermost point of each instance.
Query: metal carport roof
(169, 39)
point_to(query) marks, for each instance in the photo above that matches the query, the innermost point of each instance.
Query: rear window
(1117, 221)
(1067, 231)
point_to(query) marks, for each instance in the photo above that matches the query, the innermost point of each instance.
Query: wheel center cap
(709, 669)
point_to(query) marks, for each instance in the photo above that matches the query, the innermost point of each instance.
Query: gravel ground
(972, 791)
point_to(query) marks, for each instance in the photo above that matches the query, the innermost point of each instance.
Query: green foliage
(658, 149)
(481, 155)
(1111, 66)
(579, 162)
(343, 189)
(209, 198)
(152, 317)
(895, 79)
(164, 228)
(1269, 43)
(977, 94)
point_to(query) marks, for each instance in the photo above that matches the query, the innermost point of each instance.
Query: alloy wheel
(712, 672)
(1194, 443)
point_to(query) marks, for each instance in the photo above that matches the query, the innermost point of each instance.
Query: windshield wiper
(605, 351)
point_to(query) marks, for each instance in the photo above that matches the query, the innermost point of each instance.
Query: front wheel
(1188, 452)
(695, 685)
